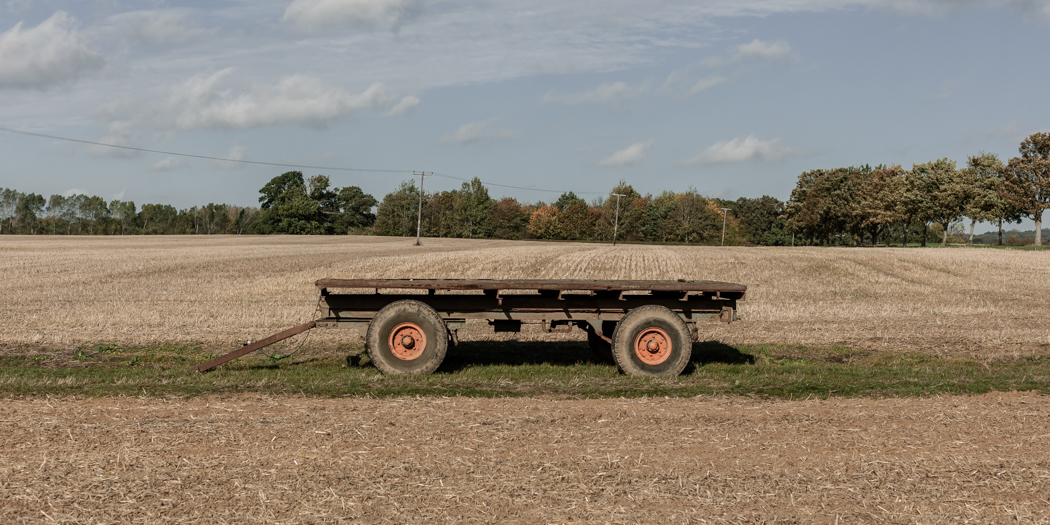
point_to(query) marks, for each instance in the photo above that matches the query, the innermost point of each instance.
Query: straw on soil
(291, 460)
(63, 292)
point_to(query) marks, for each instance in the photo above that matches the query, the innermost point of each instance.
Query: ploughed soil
(707, 460)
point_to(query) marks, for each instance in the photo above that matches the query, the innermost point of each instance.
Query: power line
(206, 157)
(278, 164)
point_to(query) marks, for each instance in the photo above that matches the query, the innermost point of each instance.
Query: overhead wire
(277, 164)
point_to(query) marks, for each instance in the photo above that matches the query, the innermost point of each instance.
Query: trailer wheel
(406, 337)
(652, 341)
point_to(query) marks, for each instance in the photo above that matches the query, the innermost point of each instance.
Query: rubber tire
(407, 311)
(652, 316)
(601, 348)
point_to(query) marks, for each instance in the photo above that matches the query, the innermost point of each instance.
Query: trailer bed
(644, 327)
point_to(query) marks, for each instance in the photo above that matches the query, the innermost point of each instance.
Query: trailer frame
(595, 306)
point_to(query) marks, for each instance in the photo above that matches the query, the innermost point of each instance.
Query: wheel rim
(407, 341)
(652, 346)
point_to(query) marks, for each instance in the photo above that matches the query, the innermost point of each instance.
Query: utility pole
(616, 223)
(724, 212)
(419, 218)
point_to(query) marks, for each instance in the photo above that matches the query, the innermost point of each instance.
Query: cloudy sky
(731, 97)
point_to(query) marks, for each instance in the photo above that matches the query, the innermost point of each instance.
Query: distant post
(616, 223)
(419, 218)
(724, 212)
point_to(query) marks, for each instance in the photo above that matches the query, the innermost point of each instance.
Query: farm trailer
(645, 327)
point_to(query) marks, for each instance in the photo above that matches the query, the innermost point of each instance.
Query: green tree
(471, 210)
(947, 194)
(762, 220)
(631, 208)
(354, 210)
(158, 218)
(289, 206)
(8, 205)
(124, 213)
(1028, 180)
(396, 214)
(27, 212)
(985, 172)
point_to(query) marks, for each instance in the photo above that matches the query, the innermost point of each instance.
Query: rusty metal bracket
(550, 327)
(247, 349)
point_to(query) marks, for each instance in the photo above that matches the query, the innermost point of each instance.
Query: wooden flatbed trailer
(644, 327)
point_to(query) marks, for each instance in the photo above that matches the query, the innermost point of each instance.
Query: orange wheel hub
(407, 341)
(652, 346)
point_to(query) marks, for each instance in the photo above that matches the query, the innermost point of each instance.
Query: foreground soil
(281, 460)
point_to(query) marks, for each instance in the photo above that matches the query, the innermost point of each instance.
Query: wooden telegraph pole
(616, 223)
(419, 218)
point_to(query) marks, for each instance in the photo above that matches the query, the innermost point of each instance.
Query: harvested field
(66, 292)
(979, 459)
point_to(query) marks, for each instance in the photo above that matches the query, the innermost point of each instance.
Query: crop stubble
(943, 459)
(64, 292)
(280, 460)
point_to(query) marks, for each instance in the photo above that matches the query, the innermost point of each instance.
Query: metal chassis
(558, 304)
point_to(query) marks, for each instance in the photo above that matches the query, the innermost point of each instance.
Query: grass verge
(490, 369)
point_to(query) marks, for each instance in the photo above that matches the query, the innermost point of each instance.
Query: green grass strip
(497, 369)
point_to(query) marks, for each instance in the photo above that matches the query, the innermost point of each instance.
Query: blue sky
(733, 98)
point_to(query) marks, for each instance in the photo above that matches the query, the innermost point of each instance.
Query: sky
(733, 98)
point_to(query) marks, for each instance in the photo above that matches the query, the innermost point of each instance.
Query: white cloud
(118, 133)
(157, 28)
(73, 191)
(236, 153)
(743, 149)
(118, 196)
(313, 15)
(170, 163)
(632, 154)
(50, 53)
(476, 132)
(406, 105)
(756, 50)
(608, 92)
(759, 50)
(706, 83)
(202, 102)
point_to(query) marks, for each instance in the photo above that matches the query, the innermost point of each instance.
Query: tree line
(888, 204)
(860, 205)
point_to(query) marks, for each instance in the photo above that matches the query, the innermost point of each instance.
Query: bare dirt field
(251, 458)
(62, 292)
(980, 459)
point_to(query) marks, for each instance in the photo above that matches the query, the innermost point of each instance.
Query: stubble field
(547, 458)
(220, 291)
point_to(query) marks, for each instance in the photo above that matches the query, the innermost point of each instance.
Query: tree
(471, 209)
(354, 209)
(985, 172)
(631, 207)
(8, 204)
(158, 218)
(946, 190)
(124, 212)
(693, 218)
(577, 221)
(543, 224)
(1028, 180)
(396, 214)
(567, 199)
(508, 220)
(29, 208)
(289, 206)
(761, 220)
